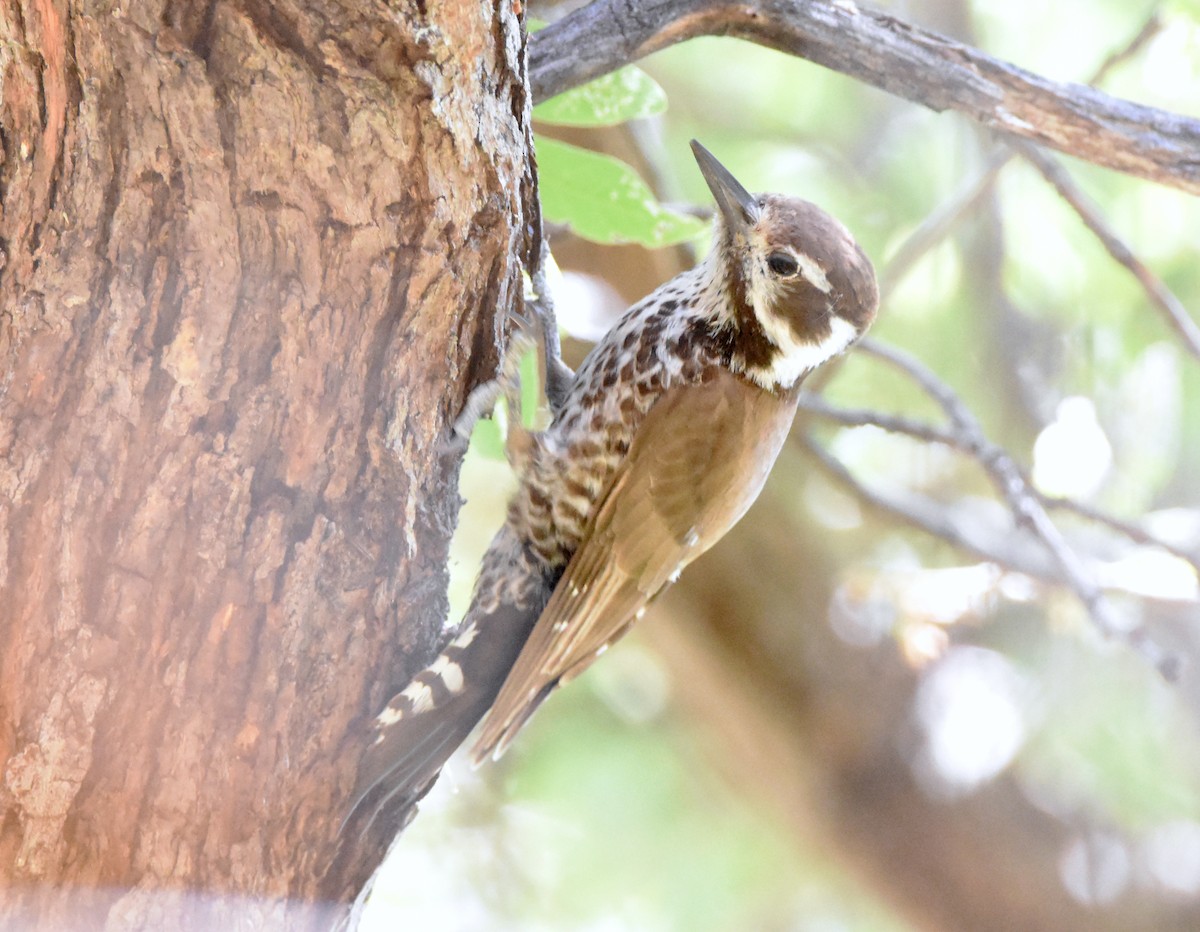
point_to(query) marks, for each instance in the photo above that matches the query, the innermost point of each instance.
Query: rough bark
(251, 251)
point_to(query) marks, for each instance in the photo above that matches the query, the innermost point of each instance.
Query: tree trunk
(253, 255)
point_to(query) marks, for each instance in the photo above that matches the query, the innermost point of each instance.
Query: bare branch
(1160, 295)
(1150, 28)
(929, 433)
(1044, 564)
(1024, 503)
(940, 222)
(1134, 532)
(936, 519)
(861, 417)
(893, 55)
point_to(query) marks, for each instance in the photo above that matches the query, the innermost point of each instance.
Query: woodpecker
(661, 442)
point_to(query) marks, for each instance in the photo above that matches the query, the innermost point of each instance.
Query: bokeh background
(876, 705)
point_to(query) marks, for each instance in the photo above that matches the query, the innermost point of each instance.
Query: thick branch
(907, 61)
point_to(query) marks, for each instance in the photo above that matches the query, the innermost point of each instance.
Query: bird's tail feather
(422, 725)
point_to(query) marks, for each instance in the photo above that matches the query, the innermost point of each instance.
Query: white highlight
(1152, 574)
(813, 273)
(449, 672)
(1072, 456)
(1096, 868)
(798, 358)
(968, 706)
(586, 306)
(1172, 852)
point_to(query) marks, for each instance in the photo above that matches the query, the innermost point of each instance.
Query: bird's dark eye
(782, 264)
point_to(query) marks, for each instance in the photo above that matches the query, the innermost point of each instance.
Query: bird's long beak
(737, 205)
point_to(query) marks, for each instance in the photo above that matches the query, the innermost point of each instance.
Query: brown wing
(697, 463)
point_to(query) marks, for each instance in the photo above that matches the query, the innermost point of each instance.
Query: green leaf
(626, 94)
(604, 200)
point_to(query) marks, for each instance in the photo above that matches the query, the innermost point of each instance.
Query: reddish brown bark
(249, 252)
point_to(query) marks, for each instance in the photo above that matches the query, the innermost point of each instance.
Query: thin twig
(936, 521)
(1134, 532)
(898, 57)
(1160, 295)
(938, 225)
(930, 433)
(861, 417)
(1150, 28)
(1023, 502)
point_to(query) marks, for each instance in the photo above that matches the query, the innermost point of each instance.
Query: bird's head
(801, 290)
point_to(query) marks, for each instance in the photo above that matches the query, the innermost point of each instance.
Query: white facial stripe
(813, 273)
(797, 358)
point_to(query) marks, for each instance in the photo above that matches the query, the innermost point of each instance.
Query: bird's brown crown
(800, 289)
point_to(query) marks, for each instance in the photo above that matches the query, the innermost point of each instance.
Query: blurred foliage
(599, 825)
(606, 817)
